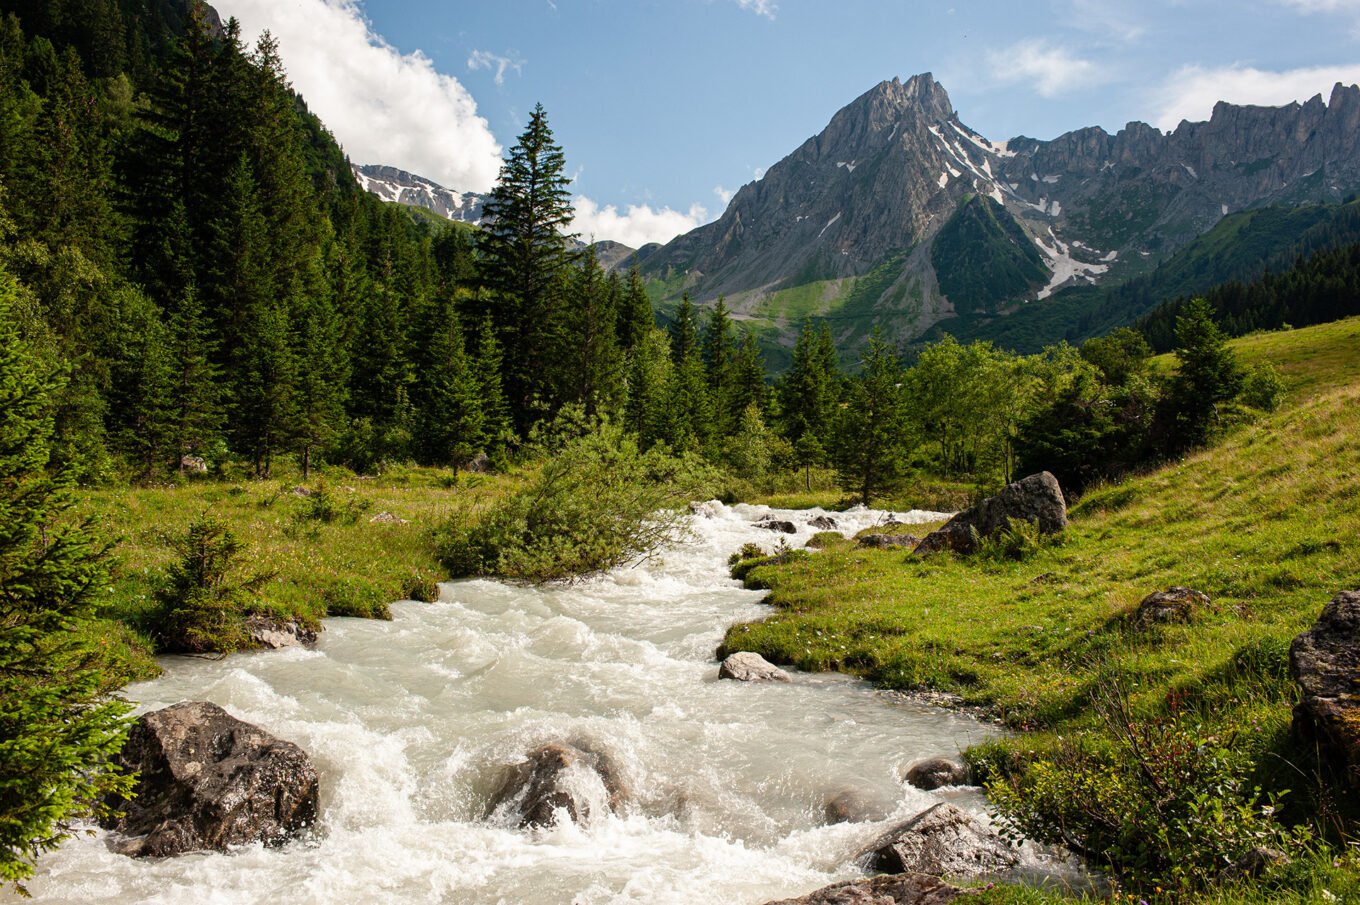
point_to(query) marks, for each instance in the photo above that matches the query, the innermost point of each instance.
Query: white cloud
(637, 225)
(383, 106)
(1103, 17)
(484, 59)
(1051, 70)
(724, 194)
(1191, 93)
(1324, 6)
(766, 8)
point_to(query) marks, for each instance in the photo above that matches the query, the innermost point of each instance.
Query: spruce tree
(525, 255)
(636, 317)
(1207, 375)
(594, 376)
(59, 728)
(691, 409)
(870, 446)
(809, 394)
(448, 397)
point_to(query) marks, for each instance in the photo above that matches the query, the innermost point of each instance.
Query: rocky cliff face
(853, 217)
(392, 184)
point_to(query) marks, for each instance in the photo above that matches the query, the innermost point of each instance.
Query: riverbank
(1264, 524)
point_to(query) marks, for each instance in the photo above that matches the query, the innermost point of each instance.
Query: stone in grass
(936, 772)
(1036, 499)
(1325, 661)
(888, 541)
(941, 842)
(208, 781)
(746, 666)
(387, 518)
(903, 889)
(1175, 604)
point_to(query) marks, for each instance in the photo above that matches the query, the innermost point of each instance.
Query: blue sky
(664, 107)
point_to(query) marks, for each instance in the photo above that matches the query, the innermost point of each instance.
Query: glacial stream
(412, 722)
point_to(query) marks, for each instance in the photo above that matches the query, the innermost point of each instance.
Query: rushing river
(411, 722)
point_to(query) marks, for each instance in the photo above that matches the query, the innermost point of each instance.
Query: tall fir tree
(59, 725)
(525, 256)
(871, 437)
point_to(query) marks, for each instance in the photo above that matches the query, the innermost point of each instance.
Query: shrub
(420, 586)
(202, 597)
(357, 598)
(1262, 388)
(597, 503)
(748, 551)
(1018, 541)
(1163, 802)
(322, 505)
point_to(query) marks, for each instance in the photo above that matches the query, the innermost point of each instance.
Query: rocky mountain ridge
(856, 224)
(401, 187)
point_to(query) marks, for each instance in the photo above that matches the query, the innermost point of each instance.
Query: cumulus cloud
(484, 59)
(382, 105)
(766, 8)
(635, 226)
(724, 194)
(1051, 70)
(1190, 94)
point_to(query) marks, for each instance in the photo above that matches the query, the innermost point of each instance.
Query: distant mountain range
(392, 184)
(898, 213)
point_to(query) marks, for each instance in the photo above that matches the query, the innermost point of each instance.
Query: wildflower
(1329, 896)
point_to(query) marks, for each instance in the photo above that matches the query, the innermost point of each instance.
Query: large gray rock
(1036, 499)
(560, 778)
(936, 772)
(746, 666)
(780, 525)
(941, 842)
(1325, 661)
(903, 889)
(823, 523)
(208, 781)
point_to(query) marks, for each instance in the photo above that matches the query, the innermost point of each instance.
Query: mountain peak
(921, 92)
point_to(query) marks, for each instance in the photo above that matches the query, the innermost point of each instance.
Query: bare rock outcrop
(1036, 499)
(1325, 661)
(208, 781)
(940, 842)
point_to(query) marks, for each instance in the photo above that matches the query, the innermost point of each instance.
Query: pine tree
(1207, 375)
(636, 318)
(718, 347)
(594, 373)
(59, 729)
(141, 395)
(870, 447)
(198, 402)
(497, 427)
(525, 255)
(808, 396)
(650, 375)
(448, 397)
(322, 368)
(691, 410)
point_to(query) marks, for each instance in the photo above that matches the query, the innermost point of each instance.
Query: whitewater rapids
(410, 723)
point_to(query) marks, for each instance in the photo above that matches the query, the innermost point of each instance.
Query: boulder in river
(1325, 661)
(1036, 499)
(273, 634)
(560, 777)
(780, 525)
(1175, 604)
(746, 666)
(942, 842)
(902, 889)
(208, 781)
(855, 806)
(935, 772)
(823, 523)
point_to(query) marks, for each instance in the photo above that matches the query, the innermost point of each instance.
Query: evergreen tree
(809, 394)
(636, 318)
(690, 409)
(1207, 375)
(59, 729)
(871, 436)
(594, 376)
(141, 395)
(447, 394)
(497, 427)
(322, 369)
(198, 403)
(718, 347)
(650, 374)
(525, 254)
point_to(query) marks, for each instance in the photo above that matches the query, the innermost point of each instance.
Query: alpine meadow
(945, 518)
